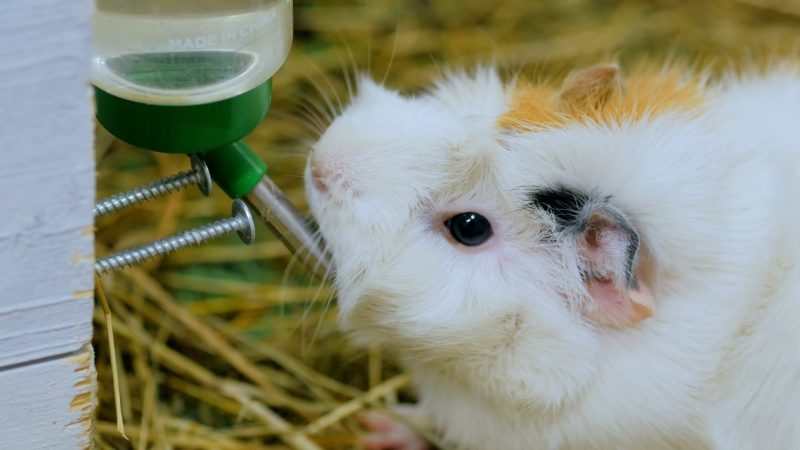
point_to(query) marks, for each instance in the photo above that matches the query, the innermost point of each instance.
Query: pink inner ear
(616, 307)
(604, 247)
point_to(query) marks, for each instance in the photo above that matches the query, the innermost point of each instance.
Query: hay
(230, 347)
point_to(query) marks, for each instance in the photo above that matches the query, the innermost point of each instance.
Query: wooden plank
(52, 405)
(47, 381)
(46, 179)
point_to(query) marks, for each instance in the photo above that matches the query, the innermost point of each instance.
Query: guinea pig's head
(480, 236)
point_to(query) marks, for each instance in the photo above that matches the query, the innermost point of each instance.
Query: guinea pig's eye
(469, 228)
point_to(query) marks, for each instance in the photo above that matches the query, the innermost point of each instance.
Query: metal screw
(199, 175)
(241, 222)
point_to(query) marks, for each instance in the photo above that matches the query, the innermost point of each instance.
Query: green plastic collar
(183, 129)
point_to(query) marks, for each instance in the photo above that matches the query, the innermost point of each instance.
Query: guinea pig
(609, 262)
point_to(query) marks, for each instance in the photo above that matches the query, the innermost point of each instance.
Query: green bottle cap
(183, 128)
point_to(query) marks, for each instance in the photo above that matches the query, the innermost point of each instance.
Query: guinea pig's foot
(389, 433)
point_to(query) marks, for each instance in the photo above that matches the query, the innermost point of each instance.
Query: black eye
(469, 228)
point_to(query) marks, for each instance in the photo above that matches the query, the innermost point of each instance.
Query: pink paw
(388, 433)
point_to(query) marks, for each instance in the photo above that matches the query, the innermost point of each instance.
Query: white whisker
(311, 121)
(333, 111)
(369, 55)
(391, 57)
(346, 75)
(318, 108)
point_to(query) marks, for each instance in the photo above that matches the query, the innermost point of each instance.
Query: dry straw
(229, 347)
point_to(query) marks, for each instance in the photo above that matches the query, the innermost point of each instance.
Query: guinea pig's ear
(608, 246)
(590, 88)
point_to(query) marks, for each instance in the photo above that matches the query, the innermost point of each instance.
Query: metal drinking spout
(289, 225)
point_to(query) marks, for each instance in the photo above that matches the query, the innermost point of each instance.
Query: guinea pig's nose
(318, 175)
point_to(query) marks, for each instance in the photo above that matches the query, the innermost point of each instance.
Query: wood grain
(52, 405)
(46, 179)
(47, 381)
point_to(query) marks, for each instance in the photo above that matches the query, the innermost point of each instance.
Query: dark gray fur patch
(565, 205)
(572, 209)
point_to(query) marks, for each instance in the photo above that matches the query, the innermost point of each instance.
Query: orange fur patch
(643, 93)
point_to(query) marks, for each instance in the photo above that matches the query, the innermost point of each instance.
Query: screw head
(205, 182)
(247, 232)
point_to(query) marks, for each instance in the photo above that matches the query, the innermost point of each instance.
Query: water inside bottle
(183, 56)
(180, 70)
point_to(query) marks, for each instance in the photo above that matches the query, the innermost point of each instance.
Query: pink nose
(317, 176)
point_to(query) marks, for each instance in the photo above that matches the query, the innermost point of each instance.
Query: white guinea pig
(608, 264)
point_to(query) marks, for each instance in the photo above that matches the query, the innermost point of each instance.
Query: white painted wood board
(46, 179)
(46, 225)
(52, 405)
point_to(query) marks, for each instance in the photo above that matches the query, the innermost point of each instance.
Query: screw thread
(184, 239)
(149, 191)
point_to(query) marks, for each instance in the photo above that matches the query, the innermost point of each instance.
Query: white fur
(500, 359)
